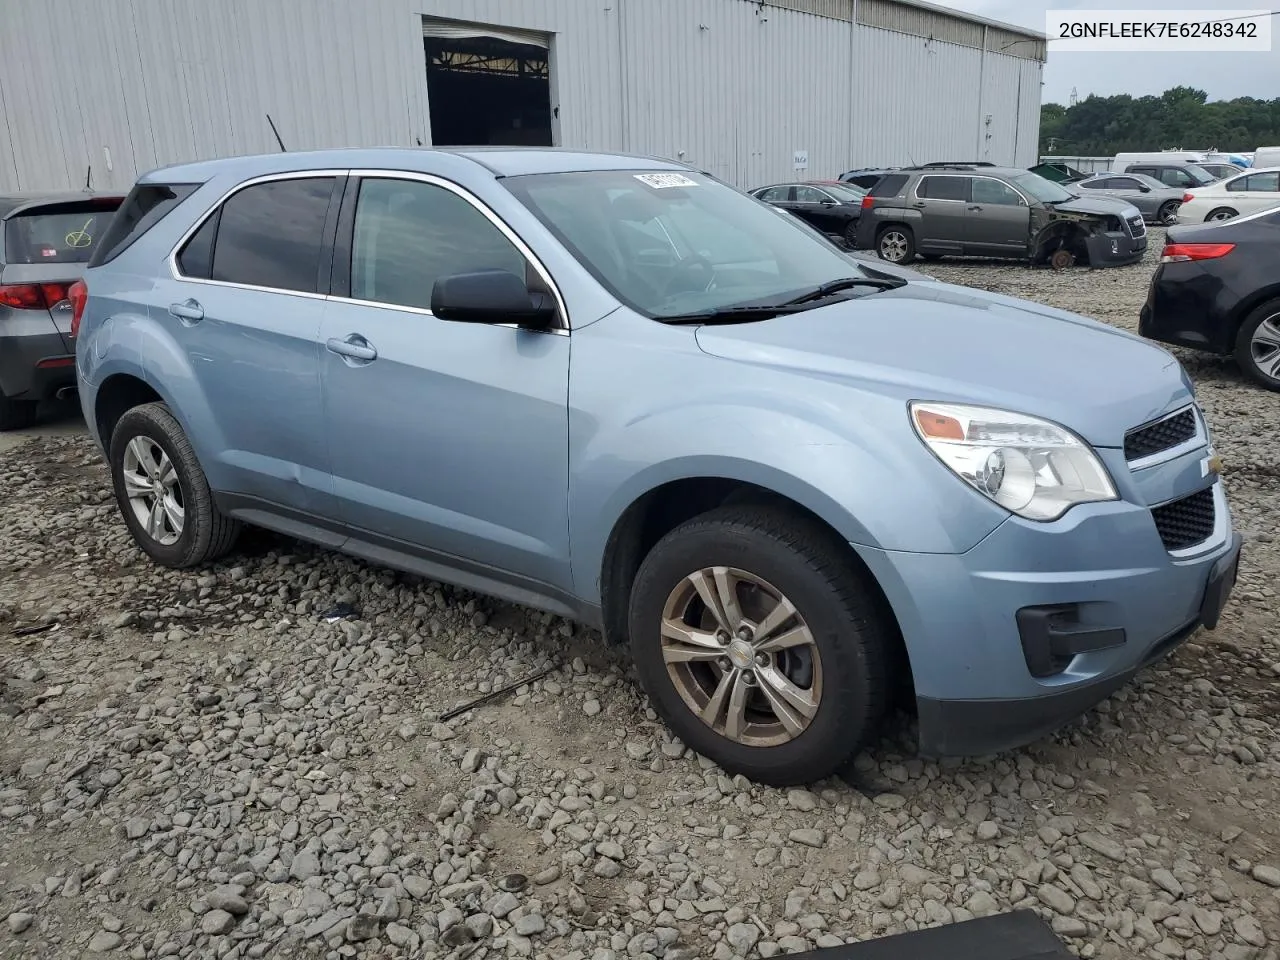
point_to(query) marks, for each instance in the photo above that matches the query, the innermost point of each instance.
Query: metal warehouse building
(750, 90)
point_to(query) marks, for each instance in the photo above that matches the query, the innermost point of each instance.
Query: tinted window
(1259, 183)
(1177, 178)
(196, 257)
(409, 234)
(995, 193)
(890, 185)
(146, 205)
(809, 195)
(944, 188)
(271, 234)
(774, 194)
(1094, 184)
(1123, 183)
(58, 233)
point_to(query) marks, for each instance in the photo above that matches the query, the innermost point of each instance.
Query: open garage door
(487, 85)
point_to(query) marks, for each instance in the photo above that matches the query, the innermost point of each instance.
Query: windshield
(1201, 175)
(1046, 191)
(667, 243)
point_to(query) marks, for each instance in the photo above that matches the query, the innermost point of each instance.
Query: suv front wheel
(758, 642)
(896, 244)
(162, 491)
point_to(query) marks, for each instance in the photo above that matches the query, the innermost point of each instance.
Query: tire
(896, 244)
(1167, 215)
(17, 414)
(851, 234)
(1254, 352)
(800, 562)
(144, 439)
(1220, 213)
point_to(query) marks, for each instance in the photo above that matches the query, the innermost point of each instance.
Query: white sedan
(1252, 191)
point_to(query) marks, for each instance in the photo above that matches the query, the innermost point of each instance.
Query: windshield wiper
(845, 283)
(732, 314)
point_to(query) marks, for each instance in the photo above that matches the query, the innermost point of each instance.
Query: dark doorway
(488, 90)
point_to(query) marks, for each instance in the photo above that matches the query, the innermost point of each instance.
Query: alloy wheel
(893, 246)
(154, 492)
(1264, 347)
(1219, 215)
(1170, 214)
(741, 656)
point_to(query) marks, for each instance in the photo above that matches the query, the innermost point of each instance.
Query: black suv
(986, 211)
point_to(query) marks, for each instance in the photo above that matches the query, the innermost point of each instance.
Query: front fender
(872, 492)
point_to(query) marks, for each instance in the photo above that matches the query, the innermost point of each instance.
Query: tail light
(79, 296)
(33, 296)
(1188, 197)
(868, 201)
(1182, 252)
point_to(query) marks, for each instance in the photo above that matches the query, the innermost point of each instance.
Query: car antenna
(277, 133)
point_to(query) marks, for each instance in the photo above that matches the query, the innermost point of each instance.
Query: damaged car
(1003, 212)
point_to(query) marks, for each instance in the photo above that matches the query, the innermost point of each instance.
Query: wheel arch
(661, 509)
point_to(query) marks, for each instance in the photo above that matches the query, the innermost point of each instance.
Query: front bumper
(1115, 249)
(1125, 601)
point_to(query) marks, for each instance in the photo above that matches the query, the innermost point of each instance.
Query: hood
(1101, 206)
(935, 341)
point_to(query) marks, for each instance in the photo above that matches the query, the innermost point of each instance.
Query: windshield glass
(1046, 191)
(667, 243)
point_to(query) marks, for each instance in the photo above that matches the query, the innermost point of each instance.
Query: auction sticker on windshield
(661, 181)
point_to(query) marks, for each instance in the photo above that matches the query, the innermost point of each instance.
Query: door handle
(976, 207)
(919, 205)
(188, 312)
(354, 347)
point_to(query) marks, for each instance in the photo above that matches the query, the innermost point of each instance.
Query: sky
(1222, 75)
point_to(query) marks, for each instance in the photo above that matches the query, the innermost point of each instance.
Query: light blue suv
(619, 390)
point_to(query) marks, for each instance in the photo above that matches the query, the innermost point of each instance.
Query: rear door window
(1259, 183)
(146, 205)
(943, 188)
(58, 233)
(272, 234)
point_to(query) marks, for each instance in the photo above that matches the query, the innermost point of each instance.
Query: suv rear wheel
(759, 644)
(162, 491)
(896, 244)
(1258, 345)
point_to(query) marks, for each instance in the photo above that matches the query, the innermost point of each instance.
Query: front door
(245, 312)
(448, 440)
(998, 220)
(941, 200)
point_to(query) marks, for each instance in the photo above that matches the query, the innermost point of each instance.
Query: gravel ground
(202, 765)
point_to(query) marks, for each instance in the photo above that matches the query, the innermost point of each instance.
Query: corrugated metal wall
(121, 86)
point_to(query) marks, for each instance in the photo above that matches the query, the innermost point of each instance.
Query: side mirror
(491, 296)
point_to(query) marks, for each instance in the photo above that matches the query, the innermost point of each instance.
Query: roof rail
(959, 163)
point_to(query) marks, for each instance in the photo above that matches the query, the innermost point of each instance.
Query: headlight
(1029, 466)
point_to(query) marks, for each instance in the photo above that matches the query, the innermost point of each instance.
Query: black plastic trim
(1052, 635)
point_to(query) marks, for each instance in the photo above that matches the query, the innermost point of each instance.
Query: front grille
(1162, 435)
(1186, 522)
(1136, 227)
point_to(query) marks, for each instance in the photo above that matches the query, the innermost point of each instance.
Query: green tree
(1180, 117)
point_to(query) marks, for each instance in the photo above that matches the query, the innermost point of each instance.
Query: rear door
(942, 200)
(243, 299)
(1257, 191)
(998, 219)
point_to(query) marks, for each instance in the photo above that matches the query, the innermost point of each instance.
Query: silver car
(45, 242)
(1158, 201)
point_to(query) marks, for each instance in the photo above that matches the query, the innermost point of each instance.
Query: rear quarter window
(146, 205)
(58, 233)
(889, 185)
